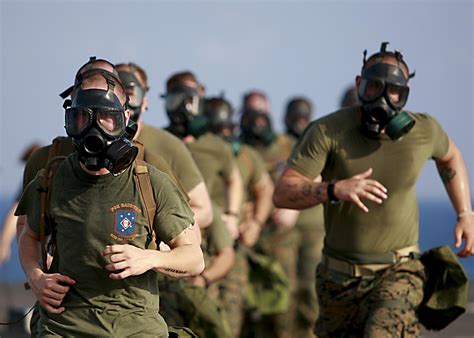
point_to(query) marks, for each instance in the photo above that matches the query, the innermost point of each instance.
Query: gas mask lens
(370, 89)
(112, 122)
(174, 101)
(397, 95)
(135, 96)
(77, 120)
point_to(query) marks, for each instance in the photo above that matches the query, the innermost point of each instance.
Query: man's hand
(49, 289)
(196, 281)
(250, 232)
(358, 186)
(465, 230)
(232, 224)
(127, 260)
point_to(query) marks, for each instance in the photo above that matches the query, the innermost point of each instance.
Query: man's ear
(127, 115)
(357, 82)
(144, 106)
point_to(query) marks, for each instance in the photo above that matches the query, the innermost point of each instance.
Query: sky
(285, 48)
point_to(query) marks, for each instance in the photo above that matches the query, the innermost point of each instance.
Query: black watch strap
(332, 197)
(207, 282)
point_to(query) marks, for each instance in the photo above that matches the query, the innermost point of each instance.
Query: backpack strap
(45, 177)
(143, 182)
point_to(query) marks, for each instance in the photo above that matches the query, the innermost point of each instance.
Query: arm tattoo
(179, 272)
(306, 190)
(318, 194)
(447, 174)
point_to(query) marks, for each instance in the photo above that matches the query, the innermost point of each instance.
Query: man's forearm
(182, 261)
(234, 192)
(263, 199)
(220, 265)
(294, 193)
(29, 252)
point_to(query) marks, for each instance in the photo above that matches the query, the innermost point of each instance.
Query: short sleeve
(310, 153)
(218, 236)
(173, 213)
(30, 206)
(228, 160)
(440, 139)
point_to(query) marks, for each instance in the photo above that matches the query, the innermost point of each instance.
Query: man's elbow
(279, 198)
(199, 265)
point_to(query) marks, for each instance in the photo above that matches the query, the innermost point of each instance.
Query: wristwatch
(207, 282)
(331, 196)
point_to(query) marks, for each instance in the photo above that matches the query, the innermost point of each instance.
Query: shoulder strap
(143, 182)
(45, 177)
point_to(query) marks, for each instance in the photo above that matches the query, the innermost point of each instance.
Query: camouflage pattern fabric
(309, 255)
(232, 291)
(189, 306)
(381, 305)
(282, 245)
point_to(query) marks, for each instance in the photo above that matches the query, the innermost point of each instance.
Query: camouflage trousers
(309, 246)
(185, 305)
(381, 305)
(232, 290)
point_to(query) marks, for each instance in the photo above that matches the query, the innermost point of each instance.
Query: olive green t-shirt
(216, 236)
(90, 212)
(251, 167)
(275, 156)
(215, 160)
(311, 218)
(335, 147)
(173, 151)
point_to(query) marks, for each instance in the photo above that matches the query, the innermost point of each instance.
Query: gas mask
(219, 113)
(297, 118)
(135, 91)
(184, 108)
(95, 120)
(256, 128)
(383, 92)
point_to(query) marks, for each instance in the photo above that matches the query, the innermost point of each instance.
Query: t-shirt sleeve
(218, 235)
(30, 206)
(34, 164)
(439, 138)
(310, 153)
(259, 167)
(228, 159)
(185, 168)
(173, 213)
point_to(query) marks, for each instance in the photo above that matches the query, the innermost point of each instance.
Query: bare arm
(453, 173)
(235, 193)
(8, 232)
(263, 192)
(200, 202)
(49, 289)
(219, 267)
(296, 191)
(183, 260)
